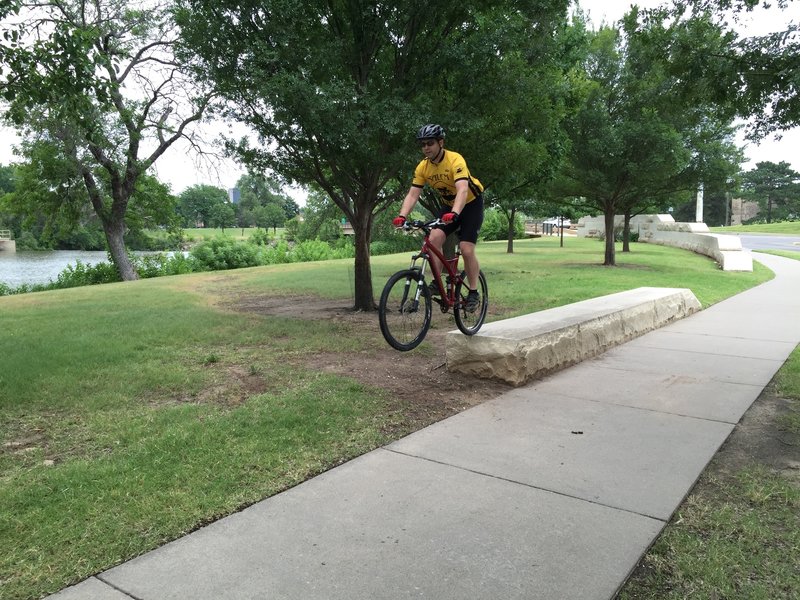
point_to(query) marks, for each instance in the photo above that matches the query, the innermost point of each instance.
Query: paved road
(753, 241)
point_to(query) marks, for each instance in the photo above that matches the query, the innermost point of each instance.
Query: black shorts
(469, 221)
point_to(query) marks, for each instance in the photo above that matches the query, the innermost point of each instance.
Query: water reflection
(17, 268)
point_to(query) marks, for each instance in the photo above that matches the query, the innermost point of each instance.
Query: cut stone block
(523, 348)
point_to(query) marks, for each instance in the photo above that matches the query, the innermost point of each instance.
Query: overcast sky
(180, 170)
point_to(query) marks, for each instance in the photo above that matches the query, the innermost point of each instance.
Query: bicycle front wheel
(470, 321)
(405, 310)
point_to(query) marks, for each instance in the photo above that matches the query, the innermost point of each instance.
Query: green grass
(133, 413)
(784, 227)
(237, 233)
(784, 253)
(737, 539)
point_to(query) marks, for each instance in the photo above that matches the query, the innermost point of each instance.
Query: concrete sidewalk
(554, 490)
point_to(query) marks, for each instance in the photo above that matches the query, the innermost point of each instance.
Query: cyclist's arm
(411, 200)
(462, 187)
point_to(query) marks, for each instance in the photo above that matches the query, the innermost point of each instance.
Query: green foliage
(749, 76)
(224, 253)
(222, 215)
(495, 226)
(201, 205)
(292, 230)
(7, 179)
(312, 250)
(270, 215)
(27, 241)
(261, 237)
(81, 274)
(395, 244)
(81, 87)
(154, 239)
(277, 254)
(776, 188)
(156, 265)
(636, 141)
(343, 116)
(262, 203)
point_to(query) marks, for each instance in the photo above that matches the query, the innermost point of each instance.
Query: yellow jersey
(443, 176)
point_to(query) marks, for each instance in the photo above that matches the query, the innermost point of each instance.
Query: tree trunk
(113, 221)
(610, 258)
(626, 234)
(510, 245)
(769, 208)
(363, 271)
(119, 254)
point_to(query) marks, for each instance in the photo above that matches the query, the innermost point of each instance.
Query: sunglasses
(425, 143)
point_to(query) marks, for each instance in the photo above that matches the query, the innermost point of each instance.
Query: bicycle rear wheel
(405, 310)
(469, 322)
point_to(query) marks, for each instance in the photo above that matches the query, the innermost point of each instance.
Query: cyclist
(446, 171)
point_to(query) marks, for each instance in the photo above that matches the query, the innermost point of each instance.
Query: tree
(8, 184)
(198, 203)
(54, 205)
(6, 179)
(256, 191)
(634, 142)
(776, 188)
(222, 215)
(335, 89)
(274, 217)
(101, 84)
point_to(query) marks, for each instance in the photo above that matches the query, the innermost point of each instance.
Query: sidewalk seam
(651, 410)
(119, 589)
(527, 485)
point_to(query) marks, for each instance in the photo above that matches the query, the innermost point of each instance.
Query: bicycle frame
(447, 295)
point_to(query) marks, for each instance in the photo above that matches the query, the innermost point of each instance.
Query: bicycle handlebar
(425, 226)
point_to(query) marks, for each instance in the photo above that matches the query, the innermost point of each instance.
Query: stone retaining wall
(663, 230)
(520, 349)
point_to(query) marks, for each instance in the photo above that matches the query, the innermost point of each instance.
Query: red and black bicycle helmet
(430, 132)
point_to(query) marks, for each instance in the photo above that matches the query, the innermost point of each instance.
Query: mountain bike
(405, 308)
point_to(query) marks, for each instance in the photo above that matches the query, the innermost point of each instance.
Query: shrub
(277, 254)
(311, 250)
(221, 253)
(292, 229)
(400, 243)
(85, 274)
(156, 265)
(260, 238)
(495, 226)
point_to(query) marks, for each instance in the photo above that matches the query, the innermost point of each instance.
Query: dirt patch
(424, 391)
(759, 439)
(418, 383)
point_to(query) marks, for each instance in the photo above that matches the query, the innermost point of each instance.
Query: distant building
(743, 211)
(233, 195)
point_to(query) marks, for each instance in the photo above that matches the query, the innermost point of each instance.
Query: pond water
(17, 268)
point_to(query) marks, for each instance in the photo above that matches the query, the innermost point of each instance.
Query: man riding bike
(446, 172)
